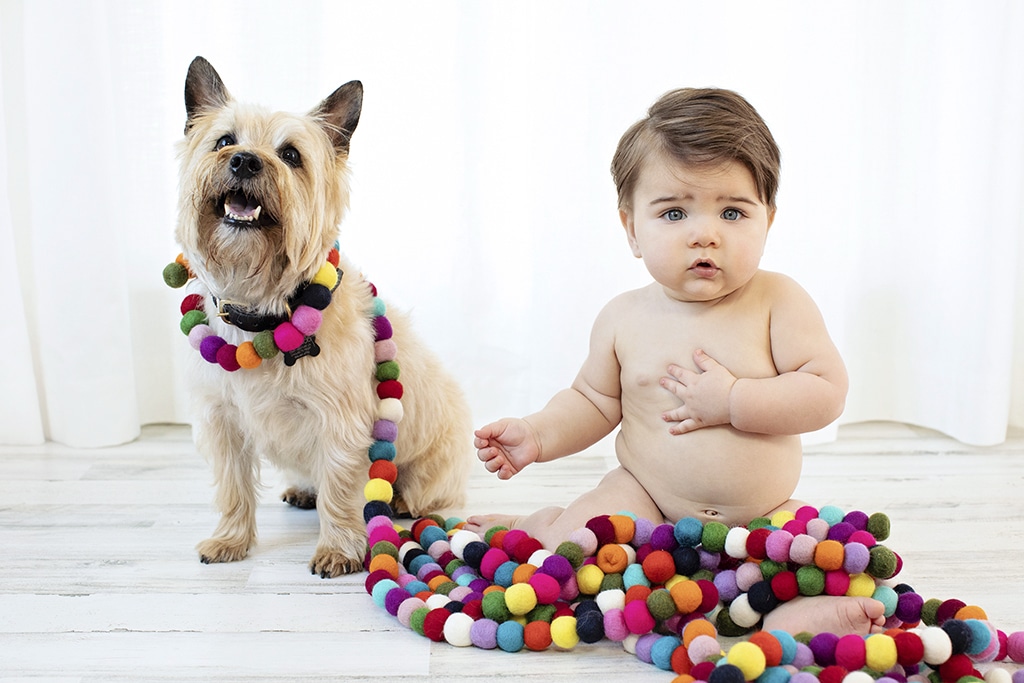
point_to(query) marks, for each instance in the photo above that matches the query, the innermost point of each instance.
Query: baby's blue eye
(731, 214)
(675, 215)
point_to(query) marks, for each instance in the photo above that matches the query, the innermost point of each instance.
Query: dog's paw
(331, 563)
(304, 499)
(214, 550)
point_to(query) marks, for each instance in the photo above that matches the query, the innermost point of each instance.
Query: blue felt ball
(375, 508)
(774, 674)
(831, 514)
(726, 673)
(504, 573)
(432, 534)
(510, 636)
(590, 626)
(634, 576)
(688, 532)
(661, 652)
(474, 552)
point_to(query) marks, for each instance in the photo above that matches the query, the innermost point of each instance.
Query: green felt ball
(384, 548)
(264, 344)
(759, 523)
(705, 574)
(882, 562)
(810, 580)
(417, 618)
(191, 319)
(489, 534)
(542, 613)
(612, 582)
(446, 588)
(769, 568)
(661, 605)
(388, 370)
(804, 637)
(930, 611)
(175, 275)
(727, 627)
(878, 526)
(712, 538)
(494, 607)
(450, 568)
(571, 552)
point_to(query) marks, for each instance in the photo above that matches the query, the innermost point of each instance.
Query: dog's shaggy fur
(312, 420)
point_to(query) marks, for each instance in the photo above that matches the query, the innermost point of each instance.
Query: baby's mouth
(704, 267)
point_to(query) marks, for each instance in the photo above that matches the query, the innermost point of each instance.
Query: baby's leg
(618, 491)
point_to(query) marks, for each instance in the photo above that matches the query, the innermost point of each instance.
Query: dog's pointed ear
(339, 114)
(204, 90)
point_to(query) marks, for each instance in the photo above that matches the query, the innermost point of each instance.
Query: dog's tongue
(241, 206)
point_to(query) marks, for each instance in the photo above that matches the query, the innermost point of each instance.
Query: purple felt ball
(382, 328)
(840, 532)
(385, 430)
(710, 561)
(857, 519)
(210, 346)
(643, 531)
(725, 582)
(663, 537)
(823, 646)
(484, 634)
(855, 558)
(557, 567)
(394, 599)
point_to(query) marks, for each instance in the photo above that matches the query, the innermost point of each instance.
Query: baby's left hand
(705, 394)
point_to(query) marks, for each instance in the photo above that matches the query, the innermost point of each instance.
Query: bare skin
(711, 372)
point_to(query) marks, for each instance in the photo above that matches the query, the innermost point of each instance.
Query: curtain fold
(482, 200)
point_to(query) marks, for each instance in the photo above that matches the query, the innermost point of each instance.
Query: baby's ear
(626, 216)
(771, 216)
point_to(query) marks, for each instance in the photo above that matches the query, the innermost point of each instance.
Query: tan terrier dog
(261, 198)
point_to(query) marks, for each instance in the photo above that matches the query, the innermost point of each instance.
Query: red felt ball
(563, 609)
(948, 609)
(433, 624)
(537, 635)
(603, 529)
(659, 566)
(226, 357)
(955, 668)
(832, 674)
(333, 257)
(680, 661)
(384, 469)
(420, 524)
(702, 670)
(785, 586)
(756, 541)
(710, 596)
(526, 548)
(390, 388)
(851, 652)
(192, 302)
(909, 648)
(637, 592)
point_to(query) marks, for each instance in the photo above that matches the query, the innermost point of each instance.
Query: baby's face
(700, 231)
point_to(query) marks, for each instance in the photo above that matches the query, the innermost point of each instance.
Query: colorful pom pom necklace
(293, 335)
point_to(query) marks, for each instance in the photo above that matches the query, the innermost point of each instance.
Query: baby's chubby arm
(808, 393)
(573, 419)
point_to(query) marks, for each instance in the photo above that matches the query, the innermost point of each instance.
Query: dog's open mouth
(243, 211)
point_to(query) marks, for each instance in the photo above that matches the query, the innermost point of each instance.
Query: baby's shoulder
(774, 285)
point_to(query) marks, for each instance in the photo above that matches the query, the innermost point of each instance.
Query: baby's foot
(481, 524)
(827, 614)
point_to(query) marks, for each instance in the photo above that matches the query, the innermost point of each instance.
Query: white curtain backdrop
(482, 200)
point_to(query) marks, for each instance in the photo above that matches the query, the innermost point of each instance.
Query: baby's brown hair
(702, 127)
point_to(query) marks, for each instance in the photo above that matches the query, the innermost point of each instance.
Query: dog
(262, 195)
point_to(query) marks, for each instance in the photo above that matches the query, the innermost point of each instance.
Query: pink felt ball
(384, 350)
(585, 539)
(863, 537)
(615, 625)
(307, 320)
(546, 588)
(288, 337)
(777, 545)
(638, 617)
(1015, 646)
(818, 528)
(197, 334)
(801, 551)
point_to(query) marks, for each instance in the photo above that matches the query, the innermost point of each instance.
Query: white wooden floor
(99, 580)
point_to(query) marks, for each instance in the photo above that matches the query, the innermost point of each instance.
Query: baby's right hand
(507, 446)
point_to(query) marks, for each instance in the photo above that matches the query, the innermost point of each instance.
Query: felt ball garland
(287, 336)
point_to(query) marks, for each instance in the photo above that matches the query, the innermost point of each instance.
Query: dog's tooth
(256, 213)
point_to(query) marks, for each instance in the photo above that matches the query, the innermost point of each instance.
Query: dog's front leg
(236, 474)
(339, 505)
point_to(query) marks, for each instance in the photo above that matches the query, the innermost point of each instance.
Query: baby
(715, 437)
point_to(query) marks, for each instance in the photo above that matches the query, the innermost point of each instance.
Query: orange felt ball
(537, 635)
(828, 555)
(522, 573)
(698, 627)
(971, 612)
(385, 562)
(246, 356)
(612, 559)
(770, 645)
(637, 592)
(687, 596)
(624, 528)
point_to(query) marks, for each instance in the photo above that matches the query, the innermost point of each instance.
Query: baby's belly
(715, 473)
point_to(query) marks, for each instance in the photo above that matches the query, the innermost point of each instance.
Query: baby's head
(701, 128)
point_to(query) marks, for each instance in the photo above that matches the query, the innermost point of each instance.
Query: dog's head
(261, 192)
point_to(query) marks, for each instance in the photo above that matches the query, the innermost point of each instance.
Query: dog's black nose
(245, 164)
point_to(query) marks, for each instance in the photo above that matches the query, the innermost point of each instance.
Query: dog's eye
(291, 156)
(224, 142)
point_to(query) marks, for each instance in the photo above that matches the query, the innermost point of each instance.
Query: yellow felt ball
(861, 586)
(520, 598)
(589, 579)
(563, 632)
(780, 518)
(880, 652)
(326, 276)
(748, 658)
(378, 489)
